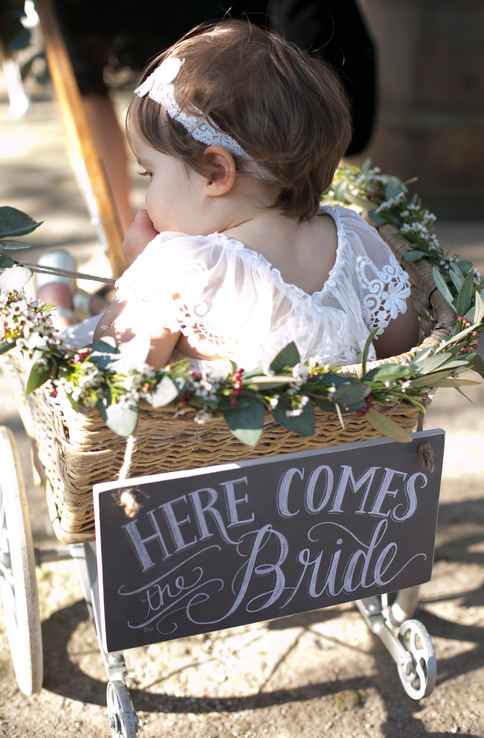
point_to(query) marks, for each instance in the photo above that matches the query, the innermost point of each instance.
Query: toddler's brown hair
(287, 110)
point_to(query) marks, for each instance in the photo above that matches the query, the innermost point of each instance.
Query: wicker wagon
(73, 451)
(77, 450)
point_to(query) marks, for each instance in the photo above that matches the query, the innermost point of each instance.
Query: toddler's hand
(140, 232)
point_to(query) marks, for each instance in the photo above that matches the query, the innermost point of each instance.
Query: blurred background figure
(16, 21)
(121, 36)
(337, 32)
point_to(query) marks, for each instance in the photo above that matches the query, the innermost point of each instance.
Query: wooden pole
(80, 141)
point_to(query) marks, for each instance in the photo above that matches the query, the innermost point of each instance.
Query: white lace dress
(230, 301)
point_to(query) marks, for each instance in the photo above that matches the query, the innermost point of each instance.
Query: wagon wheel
(122, 716)
(418, 677)
(18, 584)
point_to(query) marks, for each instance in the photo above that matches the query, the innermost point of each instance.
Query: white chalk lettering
(385, 491)
(283, 489)
(347, 478)
(232, 501)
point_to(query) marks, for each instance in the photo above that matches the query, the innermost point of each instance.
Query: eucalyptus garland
(103, 378)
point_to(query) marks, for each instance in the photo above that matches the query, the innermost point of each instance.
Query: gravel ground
(308, 676)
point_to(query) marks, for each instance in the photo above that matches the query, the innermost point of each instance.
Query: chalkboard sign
(195, 551)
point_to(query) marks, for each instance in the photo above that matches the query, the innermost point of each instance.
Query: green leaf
(302, 424)
(323, 404)
(464, 298)
(351, 394)
(388, 373)
(121, 419)
(103, 354)
(289, 356)
(442, 287)
(432, 380)
(40, 372)
(104, 347)
(165, 392)
(432, 363)
(246, 421)
(465, 266)
(456, 276)
(14, 222)
(6, 346)
(6, 261)
(414, 255)
(387, 427)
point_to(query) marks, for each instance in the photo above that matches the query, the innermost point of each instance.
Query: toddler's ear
(221, 171)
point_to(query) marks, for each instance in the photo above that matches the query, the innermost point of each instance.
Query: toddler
(238, 133)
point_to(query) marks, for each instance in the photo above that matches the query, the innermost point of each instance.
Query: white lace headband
(159, 87)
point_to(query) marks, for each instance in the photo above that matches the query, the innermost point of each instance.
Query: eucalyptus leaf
(465, 265)
(14, 222)
(101, 360)
(105, 346)
(421, 356)
(432, 380)
(289, 356)
(6, 262)
(388, 373)
(302, 424)
(351, 393)
(432, 363)
(414, 255)
(246, 421)
(441, 285)
(387, 427)
(40, 372)
(323, 404)
(121, 419)
(5, 346)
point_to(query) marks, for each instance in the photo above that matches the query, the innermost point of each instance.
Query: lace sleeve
(383, 285)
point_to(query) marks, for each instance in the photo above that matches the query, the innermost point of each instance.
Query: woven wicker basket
(76, 450)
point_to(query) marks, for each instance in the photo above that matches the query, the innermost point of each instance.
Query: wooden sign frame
(195, 551)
